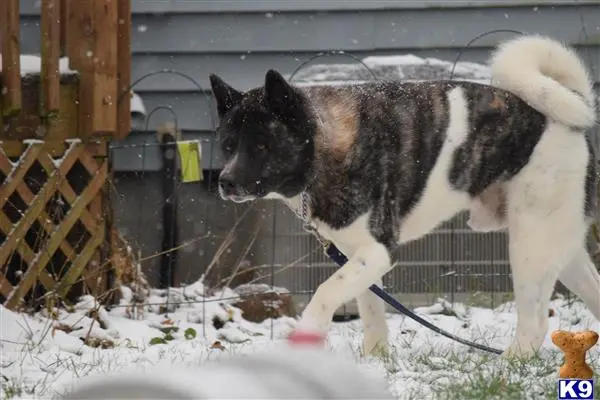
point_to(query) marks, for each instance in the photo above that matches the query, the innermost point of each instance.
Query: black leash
(340, 259)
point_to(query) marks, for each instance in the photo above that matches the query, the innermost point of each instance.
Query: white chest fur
(347, 239)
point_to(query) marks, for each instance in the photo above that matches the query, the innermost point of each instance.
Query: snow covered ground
(44, 354)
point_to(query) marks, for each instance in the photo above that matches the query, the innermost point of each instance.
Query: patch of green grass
(501, 379)
(10, 388)
(450, 375)
(483, 387)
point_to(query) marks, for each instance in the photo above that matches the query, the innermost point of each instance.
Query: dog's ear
(226, 96)
(276, 87)
(280, 95)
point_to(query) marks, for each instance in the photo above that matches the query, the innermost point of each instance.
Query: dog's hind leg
(535, 269)
(581, 277)
(372, 313)
(546, 228)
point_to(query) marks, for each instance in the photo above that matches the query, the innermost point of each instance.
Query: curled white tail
(547, 75)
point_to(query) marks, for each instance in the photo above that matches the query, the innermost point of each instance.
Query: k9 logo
(575, 389)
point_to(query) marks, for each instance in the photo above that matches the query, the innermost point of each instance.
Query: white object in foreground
(284, 373)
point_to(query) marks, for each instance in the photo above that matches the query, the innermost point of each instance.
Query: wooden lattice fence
(49, 222)
(55, 214)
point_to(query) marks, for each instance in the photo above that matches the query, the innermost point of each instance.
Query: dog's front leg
(368, 264)
(375, 330)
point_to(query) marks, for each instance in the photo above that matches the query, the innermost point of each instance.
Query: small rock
(217, 345)
(99, 343)
(261, 306)
(61, 327)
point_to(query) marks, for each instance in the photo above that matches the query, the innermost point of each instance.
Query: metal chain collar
(305, 216)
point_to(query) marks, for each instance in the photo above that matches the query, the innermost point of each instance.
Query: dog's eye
(228, 146)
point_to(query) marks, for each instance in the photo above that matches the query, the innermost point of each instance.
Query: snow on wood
(32, 64)
(137, 104)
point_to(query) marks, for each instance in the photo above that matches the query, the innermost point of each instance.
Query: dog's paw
(516, 351)
(379, 350)
(375, 343)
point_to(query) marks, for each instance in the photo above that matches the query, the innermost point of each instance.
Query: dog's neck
(299, 204)
(336, 118)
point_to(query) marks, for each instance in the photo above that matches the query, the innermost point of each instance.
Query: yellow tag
(190, 154)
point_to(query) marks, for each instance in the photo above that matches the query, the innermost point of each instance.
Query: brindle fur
(376, 144)
(384, 163)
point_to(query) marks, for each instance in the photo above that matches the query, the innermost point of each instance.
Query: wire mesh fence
(224, 245)
(264, 243)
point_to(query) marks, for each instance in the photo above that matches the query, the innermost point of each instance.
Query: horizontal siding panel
(140, 152)
(193, 109)
(368, 30)
(245, 71)
(457, 27)
(253, 32)
(349, 31)
(31, 7)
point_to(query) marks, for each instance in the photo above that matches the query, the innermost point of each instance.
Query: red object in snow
(311, 338)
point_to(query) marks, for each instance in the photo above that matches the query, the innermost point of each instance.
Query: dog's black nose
(227, 184)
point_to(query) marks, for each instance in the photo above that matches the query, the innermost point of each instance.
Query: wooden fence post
(124, 70)
(50, 74)
(104, 110)
(92, 48)
(11, 57)
(64, 18)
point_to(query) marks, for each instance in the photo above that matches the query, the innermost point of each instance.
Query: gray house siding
(248, 37)
(240, 40)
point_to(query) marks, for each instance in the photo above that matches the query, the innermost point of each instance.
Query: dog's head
(267, 139)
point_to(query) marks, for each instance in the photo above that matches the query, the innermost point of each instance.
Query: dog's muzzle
(230, 189)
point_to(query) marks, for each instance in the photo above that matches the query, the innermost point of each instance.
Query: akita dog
(372, 166)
